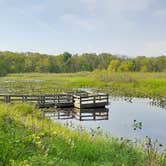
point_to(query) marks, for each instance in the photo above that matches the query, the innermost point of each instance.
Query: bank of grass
(133, 84)
(28, 139)
(122, 84)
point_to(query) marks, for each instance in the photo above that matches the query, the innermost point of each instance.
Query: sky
(124, 27)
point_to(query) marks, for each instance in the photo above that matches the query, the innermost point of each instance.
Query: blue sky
(127, 27)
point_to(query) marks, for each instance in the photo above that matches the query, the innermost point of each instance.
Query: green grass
(28, 139)
(122, 84)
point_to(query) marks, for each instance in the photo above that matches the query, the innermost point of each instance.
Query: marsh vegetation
(121, 84)
(28, 139)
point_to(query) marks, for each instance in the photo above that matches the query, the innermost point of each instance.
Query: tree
(13, 62)
(104, 60)
(113, 66)
(126, 66)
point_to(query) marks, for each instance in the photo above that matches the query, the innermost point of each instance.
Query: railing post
(43, 99)
(107, 99)
(58, 114)
(80, 100)
(58, 98)
(54, 98)
(80, 116)
(73, 99)
(94, 115)
(24, 98)
(94, 98)
(7, 99)
(4, 99)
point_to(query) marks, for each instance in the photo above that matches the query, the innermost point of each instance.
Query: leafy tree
(13, 62)
(113, 66)
(126, 66)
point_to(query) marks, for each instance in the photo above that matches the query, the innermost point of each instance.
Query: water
(132, 119)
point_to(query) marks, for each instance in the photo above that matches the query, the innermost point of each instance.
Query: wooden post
(58, 114)
(4, 99)
(24, 98)
(94, 99)
(107, 115)
(54, 99)
(80, 116)
(94, 115)
(73, 99)
(107, 99)
(44, 99)
(7, 99)
(58, 98)
(80, 101)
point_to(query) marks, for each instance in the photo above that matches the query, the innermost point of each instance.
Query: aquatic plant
(152, 85)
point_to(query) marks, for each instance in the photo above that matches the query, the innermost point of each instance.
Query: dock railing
(54, 98)
(92, 98)
(60, 100)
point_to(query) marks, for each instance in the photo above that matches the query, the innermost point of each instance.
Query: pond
(133, 119)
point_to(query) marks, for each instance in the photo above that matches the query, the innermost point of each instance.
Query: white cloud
(155, 48)
(74, 20)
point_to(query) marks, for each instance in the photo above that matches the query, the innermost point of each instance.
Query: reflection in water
(91, 114)
(161, 102)
(79, 114)
(137, 125)
(66, 113)
(154, 101)
(149, 118)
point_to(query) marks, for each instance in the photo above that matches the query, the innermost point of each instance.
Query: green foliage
(28, 139)
(34, 62)
(132, 84)
(126, 66)
(114, 65)
(115, 83)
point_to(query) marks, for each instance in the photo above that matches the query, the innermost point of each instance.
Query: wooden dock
(81, 106)
(41, 101)
(91, 101)
(81, 101)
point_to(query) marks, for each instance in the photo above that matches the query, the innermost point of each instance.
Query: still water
(133, 119)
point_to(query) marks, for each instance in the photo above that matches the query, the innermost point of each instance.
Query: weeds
(123, 84)
(28, 139)
(152, 156)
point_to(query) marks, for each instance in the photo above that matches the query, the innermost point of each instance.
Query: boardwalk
(81, 101)
(41, 101)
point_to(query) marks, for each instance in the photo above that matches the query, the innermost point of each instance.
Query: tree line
(12, 62)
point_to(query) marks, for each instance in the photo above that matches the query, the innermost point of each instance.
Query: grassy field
(26, 139)
(121, 84)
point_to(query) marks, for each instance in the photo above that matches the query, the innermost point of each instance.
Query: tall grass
(26, 138)
(123, 84)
